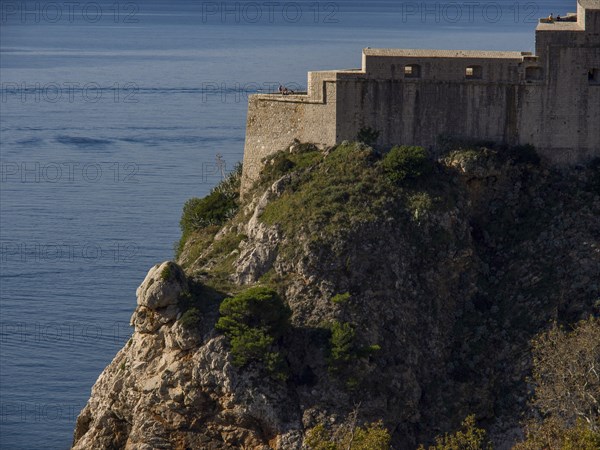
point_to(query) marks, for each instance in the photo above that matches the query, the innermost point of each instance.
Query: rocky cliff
(441, 273)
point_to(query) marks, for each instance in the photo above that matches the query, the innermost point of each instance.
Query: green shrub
(341, 298)
(278, 166)
(334, 192)
(227, 244)
(165, 274)
(214, 209)
(406, 162)
(343, 346)
(469, 437)
(250, 344)
(217, 207)
(230, 185)
(419, 203)
(552, 434)
(283, 162)
(345, 353)
(318, 438)
(367, 135)
(254, 320)
(373, 436)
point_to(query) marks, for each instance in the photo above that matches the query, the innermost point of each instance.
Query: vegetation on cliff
(566, 376)
(254, 320)
(362, 299)
(349, 436)
(321, 199)
(213, 210)
(566, 381)
(469, 437)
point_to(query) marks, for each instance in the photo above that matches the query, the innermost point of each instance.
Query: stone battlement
(550, 100)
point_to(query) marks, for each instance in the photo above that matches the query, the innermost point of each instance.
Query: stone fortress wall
(550, 100)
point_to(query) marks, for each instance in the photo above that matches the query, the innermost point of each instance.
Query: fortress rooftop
(559, 26)
(422, 53)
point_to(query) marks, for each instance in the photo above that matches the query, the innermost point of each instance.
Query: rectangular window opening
(412, 71)
(473, 72)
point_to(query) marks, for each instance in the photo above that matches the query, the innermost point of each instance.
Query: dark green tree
(254, 320)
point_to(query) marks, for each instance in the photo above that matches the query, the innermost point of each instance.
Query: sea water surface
(112, 114)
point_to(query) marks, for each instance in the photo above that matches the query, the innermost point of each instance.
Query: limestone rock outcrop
(158, 297)
(171, 387)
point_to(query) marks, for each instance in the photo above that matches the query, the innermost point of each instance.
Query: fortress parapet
(550, 100)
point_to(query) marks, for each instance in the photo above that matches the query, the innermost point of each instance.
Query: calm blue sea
(112, 114)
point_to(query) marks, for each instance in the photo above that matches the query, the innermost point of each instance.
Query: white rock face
(162, 286)
(158, 297)
(258, 252)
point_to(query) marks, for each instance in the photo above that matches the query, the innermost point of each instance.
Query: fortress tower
(550, 100)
